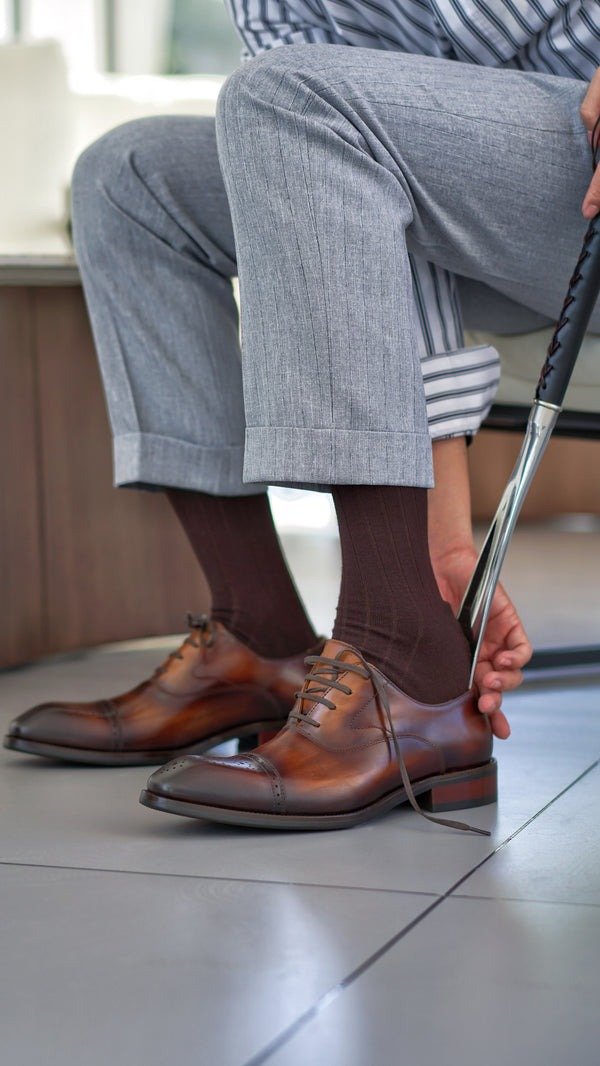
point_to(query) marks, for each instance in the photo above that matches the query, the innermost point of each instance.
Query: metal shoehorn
(556, 372)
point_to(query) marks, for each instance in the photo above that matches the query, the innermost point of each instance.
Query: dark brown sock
(253, 593)
(390, 606)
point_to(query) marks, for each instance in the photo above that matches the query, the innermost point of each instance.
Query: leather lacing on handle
(205, 628)
(326, 678)
(571, 296)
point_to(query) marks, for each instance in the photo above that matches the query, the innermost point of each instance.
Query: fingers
(490, 705)
(591, 200)
(502, 655)
(489, 702)
(491, 685)
(514, 659)
(501, 681)
(516, 651)
(500, 725)
(490, 699)
(590, 107)
(590, 110)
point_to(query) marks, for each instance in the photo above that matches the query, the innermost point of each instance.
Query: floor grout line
(338, 990)
(213, 877)
(294, 884)
(526, 899)
(529, 821)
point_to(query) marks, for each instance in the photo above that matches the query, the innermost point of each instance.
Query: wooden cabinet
(567, 479)
(80, 562)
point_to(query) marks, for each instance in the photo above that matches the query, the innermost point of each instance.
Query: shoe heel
(463, 788)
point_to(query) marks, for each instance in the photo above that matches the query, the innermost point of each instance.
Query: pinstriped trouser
(350, 158)
(328, 164)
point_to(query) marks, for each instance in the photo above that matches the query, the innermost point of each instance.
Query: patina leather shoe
(211, 689)
(353, 747)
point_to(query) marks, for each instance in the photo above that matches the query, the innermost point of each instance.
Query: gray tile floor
(141, 938)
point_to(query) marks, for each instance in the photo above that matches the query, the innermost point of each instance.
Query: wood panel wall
(21, 597)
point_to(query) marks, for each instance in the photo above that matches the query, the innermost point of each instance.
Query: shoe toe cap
(69, 725)
(236, 782)
(176, 777)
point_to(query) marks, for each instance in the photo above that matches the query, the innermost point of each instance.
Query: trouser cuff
(318, 457)
(142, 459)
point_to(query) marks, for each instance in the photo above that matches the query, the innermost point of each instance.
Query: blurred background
(131, 37)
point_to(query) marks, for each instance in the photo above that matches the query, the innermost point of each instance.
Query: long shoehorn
(561, 357)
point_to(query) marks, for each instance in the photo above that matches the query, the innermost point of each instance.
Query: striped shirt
(550, 36)
(560, 37)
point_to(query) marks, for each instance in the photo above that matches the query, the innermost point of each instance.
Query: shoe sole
(91, 757)
(459, 789)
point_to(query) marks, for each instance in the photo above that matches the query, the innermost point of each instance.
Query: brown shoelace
(327, 678)
(196, 623)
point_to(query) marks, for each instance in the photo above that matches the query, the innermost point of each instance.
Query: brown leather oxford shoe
(213, 688)
(353, 747)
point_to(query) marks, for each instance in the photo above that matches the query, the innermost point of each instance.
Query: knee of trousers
(285, 79)
(104, 167)
(113, 172)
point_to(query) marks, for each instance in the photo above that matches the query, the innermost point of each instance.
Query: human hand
(505, 648)
(590, 112)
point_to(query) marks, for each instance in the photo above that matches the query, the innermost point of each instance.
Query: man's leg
(155, 248)
(390, 605)
(364, 154)
(152, 193)
(253, 594)
(156, 252)
(154, 243)
(351, 157)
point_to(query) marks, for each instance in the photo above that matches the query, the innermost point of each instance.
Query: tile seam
(338, 990)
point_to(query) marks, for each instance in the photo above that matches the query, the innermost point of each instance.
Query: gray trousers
(330, 165)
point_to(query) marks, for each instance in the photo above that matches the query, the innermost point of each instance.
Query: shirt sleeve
(492, 32)
(265, 24)
(460, 382)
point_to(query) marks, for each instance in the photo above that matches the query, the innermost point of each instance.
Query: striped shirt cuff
(460, 386)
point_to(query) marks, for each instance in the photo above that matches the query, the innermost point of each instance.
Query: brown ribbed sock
(390, 606)
(253, 593)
